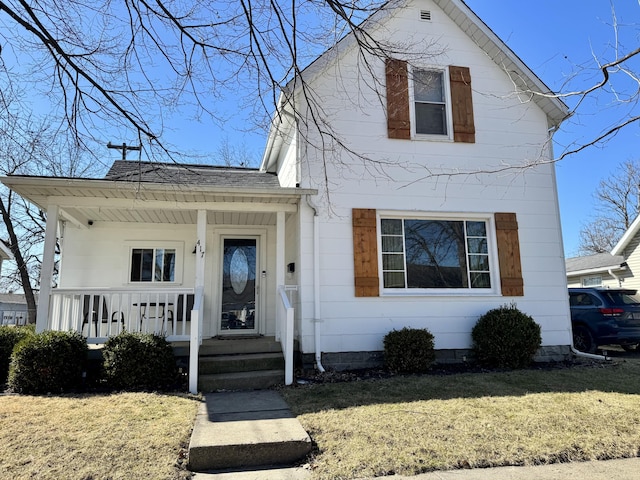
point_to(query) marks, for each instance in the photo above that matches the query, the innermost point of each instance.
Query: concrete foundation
(358, 360)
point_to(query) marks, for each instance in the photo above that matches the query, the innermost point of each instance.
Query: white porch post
(287, 334)
(201, 234)
(280, 249)
(46, 272)
(196, 323)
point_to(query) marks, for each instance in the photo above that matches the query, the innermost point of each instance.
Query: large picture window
(153, 265)
(435, 254)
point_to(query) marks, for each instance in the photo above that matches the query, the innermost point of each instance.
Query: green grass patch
(414, 424)
(119, 436)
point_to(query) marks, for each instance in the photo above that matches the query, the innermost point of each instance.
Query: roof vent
(425, 15)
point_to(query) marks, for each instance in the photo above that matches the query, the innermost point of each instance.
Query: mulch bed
(312, 376)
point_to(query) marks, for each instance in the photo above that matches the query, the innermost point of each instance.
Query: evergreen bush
(139, 361)
(48, 362)
(505, 337)
(409, 350)
(10, 336)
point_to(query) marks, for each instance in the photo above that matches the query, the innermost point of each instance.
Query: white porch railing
(101, 313)
(196, 340)
(285, 330)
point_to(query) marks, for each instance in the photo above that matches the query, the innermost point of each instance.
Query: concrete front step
(240, 363)
(230, 346)
(239, 345)
(252, 380)
(235, 430)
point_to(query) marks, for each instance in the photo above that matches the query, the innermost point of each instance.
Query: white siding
(431, 176)
(631, 277)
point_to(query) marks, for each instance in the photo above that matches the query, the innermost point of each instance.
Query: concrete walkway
(245, 430)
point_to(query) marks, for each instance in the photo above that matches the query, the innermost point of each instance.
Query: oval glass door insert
(239, 271)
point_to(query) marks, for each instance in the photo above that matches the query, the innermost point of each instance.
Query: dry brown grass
(409, 425)
(90, 437)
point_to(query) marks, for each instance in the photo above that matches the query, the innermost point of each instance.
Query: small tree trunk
(22, 266)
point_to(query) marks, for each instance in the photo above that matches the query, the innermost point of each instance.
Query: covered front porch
(101, 229)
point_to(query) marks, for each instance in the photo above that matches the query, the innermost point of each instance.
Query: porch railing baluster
(83, 310)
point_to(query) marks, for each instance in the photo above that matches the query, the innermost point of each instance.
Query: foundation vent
(425, 15)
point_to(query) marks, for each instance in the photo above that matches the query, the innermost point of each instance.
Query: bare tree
(231, 154)
(28, 146)
(131, 64)
(617, 202)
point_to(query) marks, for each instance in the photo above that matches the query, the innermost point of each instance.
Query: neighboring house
(417, 234)
(618, 268)
(13, 309)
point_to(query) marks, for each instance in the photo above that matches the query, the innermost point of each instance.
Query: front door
(239, 265)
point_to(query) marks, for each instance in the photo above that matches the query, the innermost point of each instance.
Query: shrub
(9, 338)
(505, 337)
(409, 350)
(48, 362)
(139, 361)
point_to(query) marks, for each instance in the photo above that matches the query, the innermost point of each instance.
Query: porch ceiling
(84, 200)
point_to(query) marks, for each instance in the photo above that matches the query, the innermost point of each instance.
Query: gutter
(316, 285)
(610, 272)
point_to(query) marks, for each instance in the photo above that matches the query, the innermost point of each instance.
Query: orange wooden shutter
(398, 118)
(509, 255)
(462, 105)
(365, 253)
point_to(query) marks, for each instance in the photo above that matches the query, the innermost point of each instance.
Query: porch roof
(238, 196)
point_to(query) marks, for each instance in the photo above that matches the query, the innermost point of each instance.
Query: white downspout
(316, 286)
(577, 353)
(610, 272)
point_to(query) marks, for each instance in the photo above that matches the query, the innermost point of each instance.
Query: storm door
(239, 261)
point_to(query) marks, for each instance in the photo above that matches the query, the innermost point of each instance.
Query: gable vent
(425, 15)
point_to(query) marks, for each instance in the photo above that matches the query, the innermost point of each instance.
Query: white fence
(101, 313)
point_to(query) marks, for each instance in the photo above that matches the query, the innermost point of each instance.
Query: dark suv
(604, 316)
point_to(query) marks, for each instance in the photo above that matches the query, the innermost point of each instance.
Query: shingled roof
(154, 172)
(599, 261)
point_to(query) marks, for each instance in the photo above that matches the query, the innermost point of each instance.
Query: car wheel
(630, 347)
(583, 340)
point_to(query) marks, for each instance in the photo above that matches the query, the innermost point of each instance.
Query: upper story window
(153, 265)
(435, 254)
(430, 108)
(438, 106)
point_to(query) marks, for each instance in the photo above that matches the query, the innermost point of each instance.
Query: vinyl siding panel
(426, 176)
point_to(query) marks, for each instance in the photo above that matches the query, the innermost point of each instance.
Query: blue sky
(557, 39)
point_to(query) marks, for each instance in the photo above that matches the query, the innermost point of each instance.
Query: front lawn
(414, 424)
(91, 437)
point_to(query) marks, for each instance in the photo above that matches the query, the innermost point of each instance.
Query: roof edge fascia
(627, 237)
(615, 268)
(91, 183)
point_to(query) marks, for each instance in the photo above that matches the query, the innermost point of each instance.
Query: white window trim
(494, 268)
(179, 266)
(447, 97)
